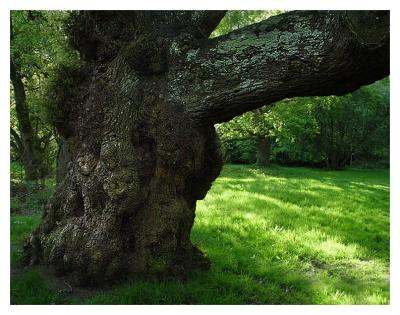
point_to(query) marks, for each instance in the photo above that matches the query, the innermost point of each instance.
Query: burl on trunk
(138, 121)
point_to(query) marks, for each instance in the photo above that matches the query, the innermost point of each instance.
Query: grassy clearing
(274, 236)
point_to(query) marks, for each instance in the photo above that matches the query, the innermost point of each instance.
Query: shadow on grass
(276, 236)
(322, 237)
(335, 204)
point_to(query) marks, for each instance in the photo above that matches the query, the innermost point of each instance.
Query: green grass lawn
(274, 236)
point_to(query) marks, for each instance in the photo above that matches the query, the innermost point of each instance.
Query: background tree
(38, 45)
(333, 131)
(289, 130)
(294, 130)
(351, 125)
(248, 136)
(138, 115)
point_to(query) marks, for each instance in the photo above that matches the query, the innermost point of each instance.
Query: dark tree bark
(63, 161)
(139, 113)
(264, 151)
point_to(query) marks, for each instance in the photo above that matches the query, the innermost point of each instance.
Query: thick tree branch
(293, 54)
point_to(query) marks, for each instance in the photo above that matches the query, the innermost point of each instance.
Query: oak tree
(138, 117)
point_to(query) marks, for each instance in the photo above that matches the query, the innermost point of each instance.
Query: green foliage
(16, 171)
(38, 41)
(240, 151)
(28, 197)
(333, 131)
(274, 236)
(354, 125)
(38, 45)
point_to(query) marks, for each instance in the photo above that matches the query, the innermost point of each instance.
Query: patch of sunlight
(371, 265)
(333, 248)
(334, 296)
(376, 298)
(347, 283)
(254, 218)
(275, 201)
(274, 180)
(309, 192)
(314, 184)
(312, 234)
(380, 187)
(278, 228)
(368, 184)
(227, 179)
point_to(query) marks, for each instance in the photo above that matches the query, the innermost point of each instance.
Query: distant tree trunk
(139, 115)
(26, 134)
(333, 161)
(264, 151)
(337, 160)
(350, 155)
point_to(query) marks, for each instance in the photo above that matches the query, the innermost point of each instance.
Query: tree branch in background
(17, 143)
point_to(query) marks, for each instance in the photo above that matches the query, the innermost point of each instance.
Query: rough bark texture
(138, 117)
(63, 160)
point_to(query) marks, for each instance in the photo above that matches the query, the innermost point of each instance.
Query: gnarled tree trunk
(139, 114)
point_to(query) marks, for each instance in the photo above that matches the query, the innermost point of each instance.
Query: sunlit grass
(276, 236)
(324, 234)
